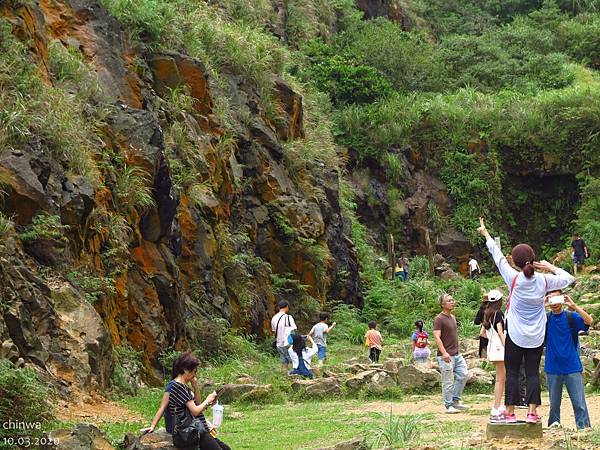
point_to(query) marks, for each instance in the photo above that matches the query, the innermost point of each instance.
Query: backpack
(421, 339)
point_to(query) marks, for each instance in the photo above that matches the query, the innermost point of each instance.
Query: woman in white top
(525, 319)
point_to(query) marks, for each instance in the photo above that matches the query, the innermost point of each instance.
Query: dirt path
(96, 410)
(478, 415)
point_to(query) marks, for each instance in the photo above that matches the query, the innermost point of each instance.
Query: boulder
(360, 379)
(380, 382)
(319, 387)
(357, 368)
(83, 437)
(480, 376)
(353, 444)
(159, 440)
(258, 393)
(233, 392)
(393, 365)
(417, 377)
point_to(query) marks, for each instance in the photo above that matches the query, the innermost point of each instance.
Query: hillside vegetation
(169, 169)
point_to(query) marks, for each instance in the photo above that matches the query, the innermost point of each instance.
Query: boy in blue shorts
(319, 334)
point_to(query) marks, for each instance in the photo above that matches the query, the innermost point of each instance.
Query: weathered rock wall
(190, 254)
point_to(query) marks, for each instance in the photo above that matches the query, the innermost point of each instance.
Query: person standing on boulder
(281, 323)
(453, 367)
(525, 319)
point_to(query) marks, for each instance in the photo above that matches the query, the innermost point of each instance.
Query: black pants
(374, 354)
(207, 442)
(513, 355)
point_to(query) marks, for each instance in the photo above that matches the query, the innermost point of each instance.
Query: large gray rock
(417, 377)
(158, 440)
(360, 379)
(480, 376)
(83, 437)
(320, 387)
(380, 382)
(352, 444)
(243, 392)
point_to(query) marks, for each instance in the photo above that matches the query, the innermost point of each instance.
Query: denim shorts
(322, 351)
(284, 356)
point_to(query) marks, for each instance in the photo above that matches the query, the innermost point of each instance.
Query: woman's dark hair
(323, 316)
(186, 361)
(491, 309)
(419, 325)
(298, 344)
(372, 325)
(523, 256)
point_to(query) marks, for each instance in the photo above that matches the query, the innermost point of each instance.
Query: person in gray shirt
(319, 334)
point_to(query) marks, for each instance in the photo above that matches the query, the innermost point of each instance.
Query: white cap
(494, 295)
(556, 300)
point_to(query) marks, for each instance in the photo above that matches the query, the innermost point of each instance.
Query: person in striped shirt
(178, 396)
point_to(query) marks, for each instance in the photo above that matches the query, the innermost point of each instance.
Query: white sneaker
(555, 425)
(452, 410)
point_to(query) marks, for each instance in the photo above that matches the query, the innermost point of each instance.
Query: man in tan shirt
(453, 367)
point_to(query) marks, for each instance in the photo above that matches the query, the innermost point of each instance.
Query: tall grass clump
(24, 397)
(30, 108)
(397, 431)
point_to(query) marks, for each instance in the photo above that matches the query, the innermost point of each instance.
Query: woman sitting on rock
(301, 355)
(178, 396)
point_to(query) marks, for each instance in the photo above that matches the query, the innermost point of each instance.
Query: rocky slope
(141, 272)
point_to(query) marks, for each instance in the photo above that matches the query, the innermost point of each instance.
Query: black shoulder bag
(187, 430)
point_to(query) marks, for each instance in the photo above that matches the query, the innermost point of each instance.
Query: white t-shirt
(307, 354)
(285, 322)
(472, 265)
(526, 317)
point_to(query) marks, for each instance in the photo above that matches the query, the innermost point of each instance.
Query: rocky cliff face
(238, 235)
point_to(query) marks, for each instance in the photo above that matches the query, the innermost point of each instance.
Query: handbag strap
(277, 326)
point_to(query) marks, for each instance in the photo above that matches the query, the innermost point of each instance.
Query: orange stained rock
(198, 84)
(38, 39)
(133, 100)
(188, 226)
(146, 255)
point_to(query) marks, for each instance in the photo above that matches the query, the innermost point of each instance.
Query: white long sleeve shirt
(526, 318)
(307, 355)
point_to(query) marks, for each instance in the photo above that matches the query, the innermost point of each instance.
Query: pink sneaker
(532, 418)
(510, 418)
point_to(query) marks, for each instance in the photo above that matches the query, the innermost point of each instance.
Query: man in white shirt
(281, 325)
(474, 269)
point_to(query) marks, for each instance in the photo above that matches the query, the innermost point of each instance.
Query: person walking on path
(374, 341)
(453, 367)
(525, 319)
(301, 356)
(474, 269)
(580, 252)
(281, 324)
(319, 334)
(562, 364)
